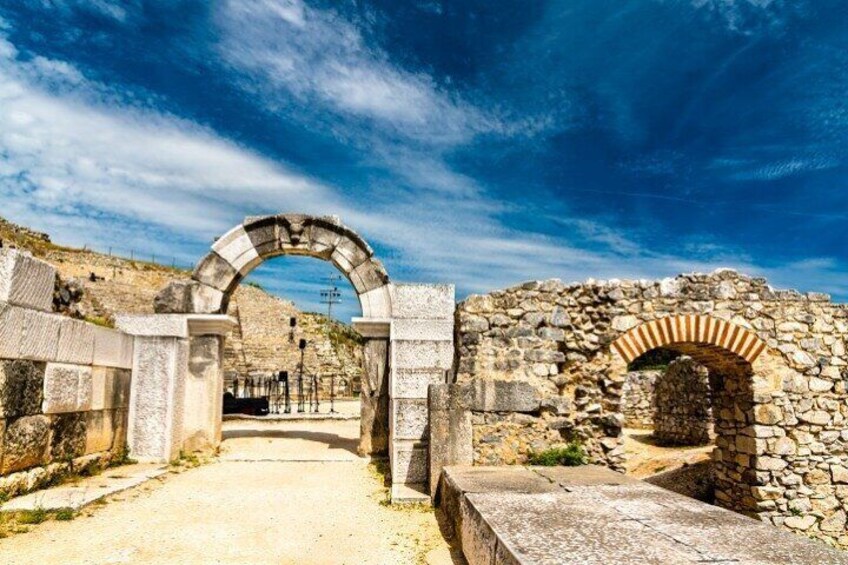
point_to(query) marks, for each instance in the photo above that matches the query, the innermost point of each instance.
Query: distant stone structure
(637, 399)
(683, 403)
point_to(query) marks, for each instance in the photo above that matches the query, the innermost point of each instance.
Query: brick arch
(689, 329)
(259, 238)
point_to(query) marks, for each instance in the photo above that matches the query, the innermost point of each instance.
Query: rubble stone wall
(637, 399)
(64, 383)
(777, 359)
(683, 400)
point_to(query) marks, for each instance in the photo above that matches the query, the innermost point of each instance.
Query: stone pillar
(158, 427)
(203, 409)
(451, 433)
(374, 437)
(422, 352)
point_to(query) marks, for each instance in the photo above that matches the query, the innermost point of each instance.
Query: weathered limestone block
(451, 432)
(424, 301)
(76, 342)
(410, 418)
(156, 325)
(216, 272)
(67, 435)
(110, 388)
(377, 303)
(100, 430)
(25, 443)
(26, 281)
(67, 388)
(112, 348)
(189, 297)
(504, 396)
(157, 397)
(374, 421)
(347, 256)
(422, 354)
(413, 383)
(40, 336)
(264, 235)
(409, 463)
(422, 330)
(368, 276)
(203, 390)
(21, 384)
(237, 249)
(11, 330)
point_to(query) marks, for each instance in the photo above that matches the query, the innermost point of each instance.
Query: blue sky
(476, 142)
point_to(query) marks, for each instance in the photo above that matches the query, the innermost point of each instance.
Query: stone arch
(689, 329)
(235, 254)
(744, 376)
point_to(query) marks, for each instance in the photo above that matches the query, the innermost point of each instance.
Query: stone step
(86, 491)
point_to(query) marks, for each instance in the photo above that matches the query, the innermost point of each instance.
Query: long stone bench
(592, 515)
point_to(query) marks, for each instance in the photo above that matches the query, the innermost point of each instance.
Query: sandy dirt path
(289, 492)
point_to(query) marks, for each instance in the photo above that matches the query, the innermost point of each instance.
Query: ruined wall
(64, 384)
(780, 422)
(637, 399)
(683, 397)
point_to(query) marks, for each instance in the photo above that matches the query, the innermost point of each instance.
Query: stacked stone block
(64, 383)
(637, 399)
(778, 359)
(684, 412)
(421, 343)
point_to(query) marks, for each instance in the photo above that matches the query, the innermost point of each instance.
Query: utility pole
(331, 295)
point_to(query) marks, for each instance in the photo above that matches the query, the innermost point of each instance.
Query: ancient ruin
(489, 381)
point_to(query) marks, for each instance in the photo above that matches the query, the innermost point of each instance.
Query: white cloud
(290, 49)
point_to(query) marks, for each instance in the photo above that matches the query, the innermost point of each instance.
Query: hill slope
(261, 342)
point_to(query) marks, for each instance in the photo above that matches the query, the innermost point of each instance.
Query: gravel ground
(285, 492)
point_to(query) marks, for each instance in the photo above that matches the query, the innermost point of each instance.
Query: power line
(331, 295)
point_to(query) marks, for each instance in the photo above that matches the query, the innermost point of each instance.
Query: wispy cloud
(288, 49)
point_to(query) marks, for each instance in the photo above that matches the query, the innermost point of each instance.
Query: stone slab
(11, 330)
(26, 281)
(422, 355)
(504, 396)
(410, 418)
(422, 330)
(409, 493)
(40, 336)
(409, 463)
(153, 325)
(413, 383)
(21, 387)
(87, 491)
(112, 348)
(67, 436)
(468, 479)
(424, 301)
(76, 342)
(25, 443)
(598, 519)
(67, 388)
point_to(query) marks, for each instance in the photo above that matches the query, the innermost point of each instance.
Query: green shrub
(36, 516)
(570, 455)
(65, 514)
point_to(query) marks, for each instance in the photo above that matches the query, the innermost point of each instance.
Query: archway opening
(706, 391)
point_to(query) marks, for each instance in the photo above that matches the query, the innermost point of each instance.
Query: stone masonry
(637, 399)
(64, 383)
(776, 359)
(683, 399)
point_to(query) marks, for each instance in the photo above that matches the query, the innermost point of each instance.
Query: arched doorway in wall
(238, 252)
(743, 376)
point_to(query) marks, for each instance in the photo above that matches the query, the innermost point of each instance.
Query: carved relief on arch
(691, 329)
(258, 238)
